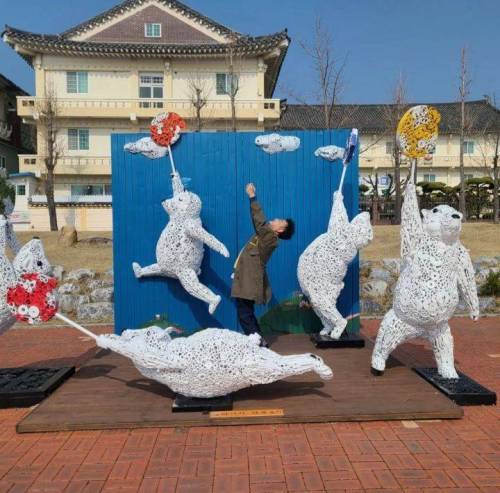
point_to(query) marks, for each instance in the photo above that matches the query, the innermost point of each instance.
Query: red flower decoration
(32, 298)
(166, 128)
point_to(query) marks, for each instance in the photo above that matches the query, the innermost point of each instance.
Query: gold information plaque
(247, 413)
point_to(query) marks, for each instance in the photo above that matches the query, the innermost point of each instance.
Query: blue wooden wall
(295, 184)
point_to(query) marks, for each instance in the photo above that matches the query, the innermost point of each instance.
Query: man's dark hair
(289, 230)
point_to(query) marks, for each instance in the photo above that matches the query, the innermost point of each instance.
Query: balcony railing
(260, 109)
(88, 165)
(72, 199)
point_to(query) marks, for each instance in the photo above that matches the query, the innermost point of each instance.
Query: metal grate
(464, 391)
(24, 387)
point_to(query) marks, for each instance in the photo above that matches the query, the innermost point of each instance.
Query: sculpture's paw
(376, 373)
(213, 306)
(450, 373)
(474, 316)
(325, 332)
(324, 371)
(137, 269)
(225, 252)
(339, 329)
(255, 338)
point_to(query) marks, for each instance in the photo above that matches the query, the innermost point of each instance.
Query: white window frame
(79, 132)
(429, 178)
(227, 78)
(78, 88)
(23, 185)
(389, 146)
(469, 147)
(152, 101)
(152, 25)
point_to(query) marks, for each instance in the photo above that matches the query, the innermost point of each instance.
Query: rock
(483, 274)
(68, 236)
(375, 288)
(80, 274)
(66, 303)
(365, 264)
(392, 264)
(486, 303)
(102, 294)
(369, 306)
(68, 288)
(488, 261)
(381, 275)
(95, 311)
(58, 272)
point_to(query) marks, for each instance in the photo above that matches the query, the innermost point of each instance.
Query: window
(468, 177)
(151, 87)
(77, 82)
(384, 181)
(21, 190)
(389, 147)
(468, 147)
(3, 162)
(223, 83)
(429, 178)
(152, 30)
(78, 139)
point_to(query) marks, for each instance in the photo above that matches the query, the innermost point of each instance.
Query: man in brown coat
(250, 284)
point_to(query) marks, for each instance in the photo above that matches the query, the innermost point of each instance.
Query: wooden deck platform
(109, 393)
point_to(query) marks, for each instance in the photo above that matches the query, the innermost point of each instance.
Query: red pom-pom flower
(166, 128)
(32, 298)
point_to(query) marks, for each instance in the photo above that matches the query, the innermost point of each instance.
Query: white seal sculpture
(435, 268)
(323, 264)
(209, 363)
(274, 143)
(179, 251)
(30, 258)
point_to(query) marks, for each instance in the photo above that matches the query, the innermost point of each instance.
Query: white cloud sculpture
(274, 143)
(209, 363)
(147, 147)
(330, 153)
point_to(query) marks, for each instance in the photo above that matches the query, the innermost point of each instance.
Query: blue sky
(420, 38)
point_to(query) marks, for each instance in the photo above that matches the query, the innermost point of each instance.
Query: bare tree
(233, 83)
(198, 93)
(48, 117)
(392, 114)
(464, 91)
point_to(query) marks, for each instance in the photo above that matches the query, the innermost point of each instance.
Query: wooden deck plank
(109, 393)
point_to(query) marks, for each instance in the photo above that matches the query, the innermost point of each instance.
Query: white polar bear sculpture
(179, 251)
(274, 143)
(209, 363)
(323, 264)
(435, 268)
(30, 258)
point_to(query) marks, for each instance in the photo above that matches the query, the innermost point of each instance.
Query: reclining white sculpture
(323, 264)
(435, 268)
(209, 363)
(179, 251)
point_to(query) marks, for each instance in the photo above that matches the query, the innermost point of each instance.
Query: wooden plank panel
(109, 393)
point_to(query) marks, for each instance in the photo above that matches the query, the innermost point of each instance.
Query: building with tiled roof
(116, 71)
(377, 122)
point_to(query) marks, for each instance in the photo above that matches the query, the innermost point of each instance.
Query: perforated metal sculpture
(323, 264)
(179, 251)
(210, 363)
(30, 258)
(435, 268)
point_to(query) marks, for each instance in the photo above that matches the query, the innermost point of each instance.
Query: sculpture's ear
(425, 213)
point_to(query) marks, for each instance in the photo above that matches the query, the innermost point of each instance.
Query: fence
(291, 184)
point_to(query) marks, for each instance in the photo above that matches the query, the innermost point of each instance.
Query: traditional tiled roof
(129, 5)
(375, 118)
(8, 84)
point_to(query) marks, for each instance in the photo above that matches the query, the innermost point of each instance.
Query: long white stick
(412, 172)
(341, 185)
(75, 325)
(171, 159)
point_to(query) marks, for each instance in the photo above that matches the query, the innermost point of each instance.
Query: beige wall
(86, 218)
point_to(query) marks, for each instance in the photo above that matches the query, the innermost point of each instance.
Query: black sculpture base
(464, 391)
(184, 404)
(345, 340)
(25, 387)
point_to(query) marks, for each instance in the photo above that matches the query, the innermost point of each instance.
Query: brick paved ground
(449, 456)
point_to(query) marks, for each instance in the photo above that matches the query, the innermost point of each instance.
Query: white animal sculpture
(273, 143)
(435, 268)
(209, 363)
(323, 264)
(179, 251)
(30, 258)
(147, 147)
(330, 153)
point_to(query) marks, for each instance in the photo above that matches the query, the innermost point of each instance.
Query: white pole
(171, 159)
(75, 325)
(341, 185)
